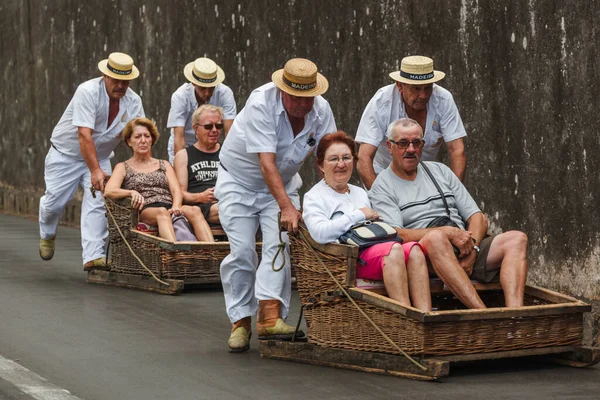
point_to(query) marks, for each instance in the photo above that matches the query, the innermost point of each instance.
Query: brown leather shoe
(270, 325)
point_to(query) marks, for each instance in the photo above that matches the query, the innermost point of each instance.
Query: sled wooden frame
(399, 366)
(178, 264)
(338, 336)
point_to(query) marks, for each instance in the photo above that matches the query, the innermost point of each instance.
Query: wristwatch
(477, 249)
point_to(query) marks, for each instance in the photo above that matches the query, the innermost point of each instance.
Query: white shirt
(89, 108)
(263, 127)
(443, 123)
(183, 105)
(328, 214)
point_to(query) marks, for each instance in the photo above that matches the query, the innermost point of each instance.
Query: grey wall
(523, 73)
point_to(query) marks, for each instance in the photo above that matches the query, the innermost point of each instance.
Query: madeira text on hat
(204, 72)
(299, 77)
(119, 66)
(417, 70)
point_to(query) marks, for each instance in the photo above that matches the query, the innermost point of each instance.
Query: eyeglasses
(345, 159)
(404, 144)
(209, 127)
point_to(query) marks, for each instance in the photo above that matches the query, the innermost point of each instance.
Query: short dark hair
(332, 138)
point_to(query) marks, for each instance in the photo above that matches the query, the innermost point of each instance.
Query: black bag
(370, 233)
(442, 221)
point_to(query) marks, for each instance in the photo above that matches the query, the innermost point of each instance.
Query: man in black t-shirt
(197, 166)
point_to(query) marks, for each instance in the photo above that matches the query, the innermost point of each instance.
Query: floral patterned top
(153, 186)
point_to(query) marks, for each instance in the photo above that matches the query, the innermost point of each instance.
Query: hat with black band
(204, 72)
(417, 70)
(299, 77)
(119, 66)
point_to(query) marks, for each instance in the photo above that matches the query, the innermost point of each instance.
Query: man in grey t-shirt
(406, 197)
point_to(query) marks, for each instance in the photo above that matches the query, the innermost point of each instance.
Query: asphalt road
(95, 342)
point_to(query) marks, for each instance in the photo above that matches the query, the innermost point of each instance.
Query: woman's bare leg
(160, 216)
(418, 279)
(394, 275)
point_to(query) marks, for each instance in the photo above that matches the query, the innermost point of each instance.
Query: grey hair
(404, 123)
(205, 108)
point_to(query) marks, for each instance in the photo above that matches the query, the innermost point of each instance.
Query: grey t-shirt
(414, 204)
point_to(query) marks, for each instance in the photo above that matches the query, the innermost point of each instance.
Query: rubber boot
(270, 325)
(239, 340)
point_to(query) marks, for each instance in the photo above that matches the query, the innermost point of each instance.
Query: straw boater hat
(204, 72)
(119, 66)
(300, 78)
(417, 70)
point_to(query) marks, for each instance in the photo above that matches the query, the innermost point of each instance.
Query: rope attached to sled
(129, 247)
(339, 285)
(280, 247)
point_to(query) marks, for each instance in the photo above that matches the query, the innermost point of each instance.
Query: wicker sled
(339, 335)
(176, 263)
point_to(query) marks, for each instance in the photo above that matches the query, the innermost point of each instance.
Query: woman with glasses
(333, 206)
(151, 183)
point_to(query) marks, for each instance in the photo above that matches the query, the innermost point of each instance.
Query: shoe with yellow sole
(270, 325)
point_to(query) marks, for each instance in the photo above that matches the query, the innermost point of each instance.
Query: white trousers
(63, 175)
(245, 282)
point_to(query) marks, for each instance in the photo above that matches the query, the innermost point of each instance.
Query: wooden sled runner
(175, 263)
(550, 324)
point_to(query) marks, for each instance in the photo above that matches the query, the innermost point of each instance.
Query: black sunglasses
(208, 127)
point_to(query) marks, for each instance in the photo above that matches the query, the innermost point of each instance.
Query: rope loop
(280, 247)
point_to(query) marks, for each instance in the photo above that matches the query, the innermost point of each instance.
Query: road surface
(61, 338)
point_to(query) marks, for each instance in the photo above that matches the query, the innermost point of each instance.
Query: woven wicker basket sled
(338, 334)
(175, 263)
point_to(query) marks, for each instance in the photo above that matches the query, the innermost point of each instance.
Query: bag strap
(436, 186)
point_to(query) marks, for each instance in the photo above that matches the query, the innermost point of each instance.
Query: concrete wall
(524, 75)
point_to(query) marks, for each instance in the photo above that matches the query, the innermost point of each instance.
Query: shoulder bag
(370, 233)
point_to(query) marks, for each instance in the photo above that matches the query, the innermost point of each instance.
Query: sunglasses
(404, 144)
(209, 127)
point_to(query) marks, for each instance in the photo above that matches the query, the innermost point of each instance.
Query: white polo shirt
(263, 127)
(89, 108)
(443, 123)
(183, 105)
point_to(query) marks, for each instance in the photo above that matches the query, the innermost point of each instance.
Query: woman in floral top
(151, 183)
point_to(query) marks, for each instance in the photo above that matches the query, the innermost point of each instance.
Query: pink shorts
(372, 257)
